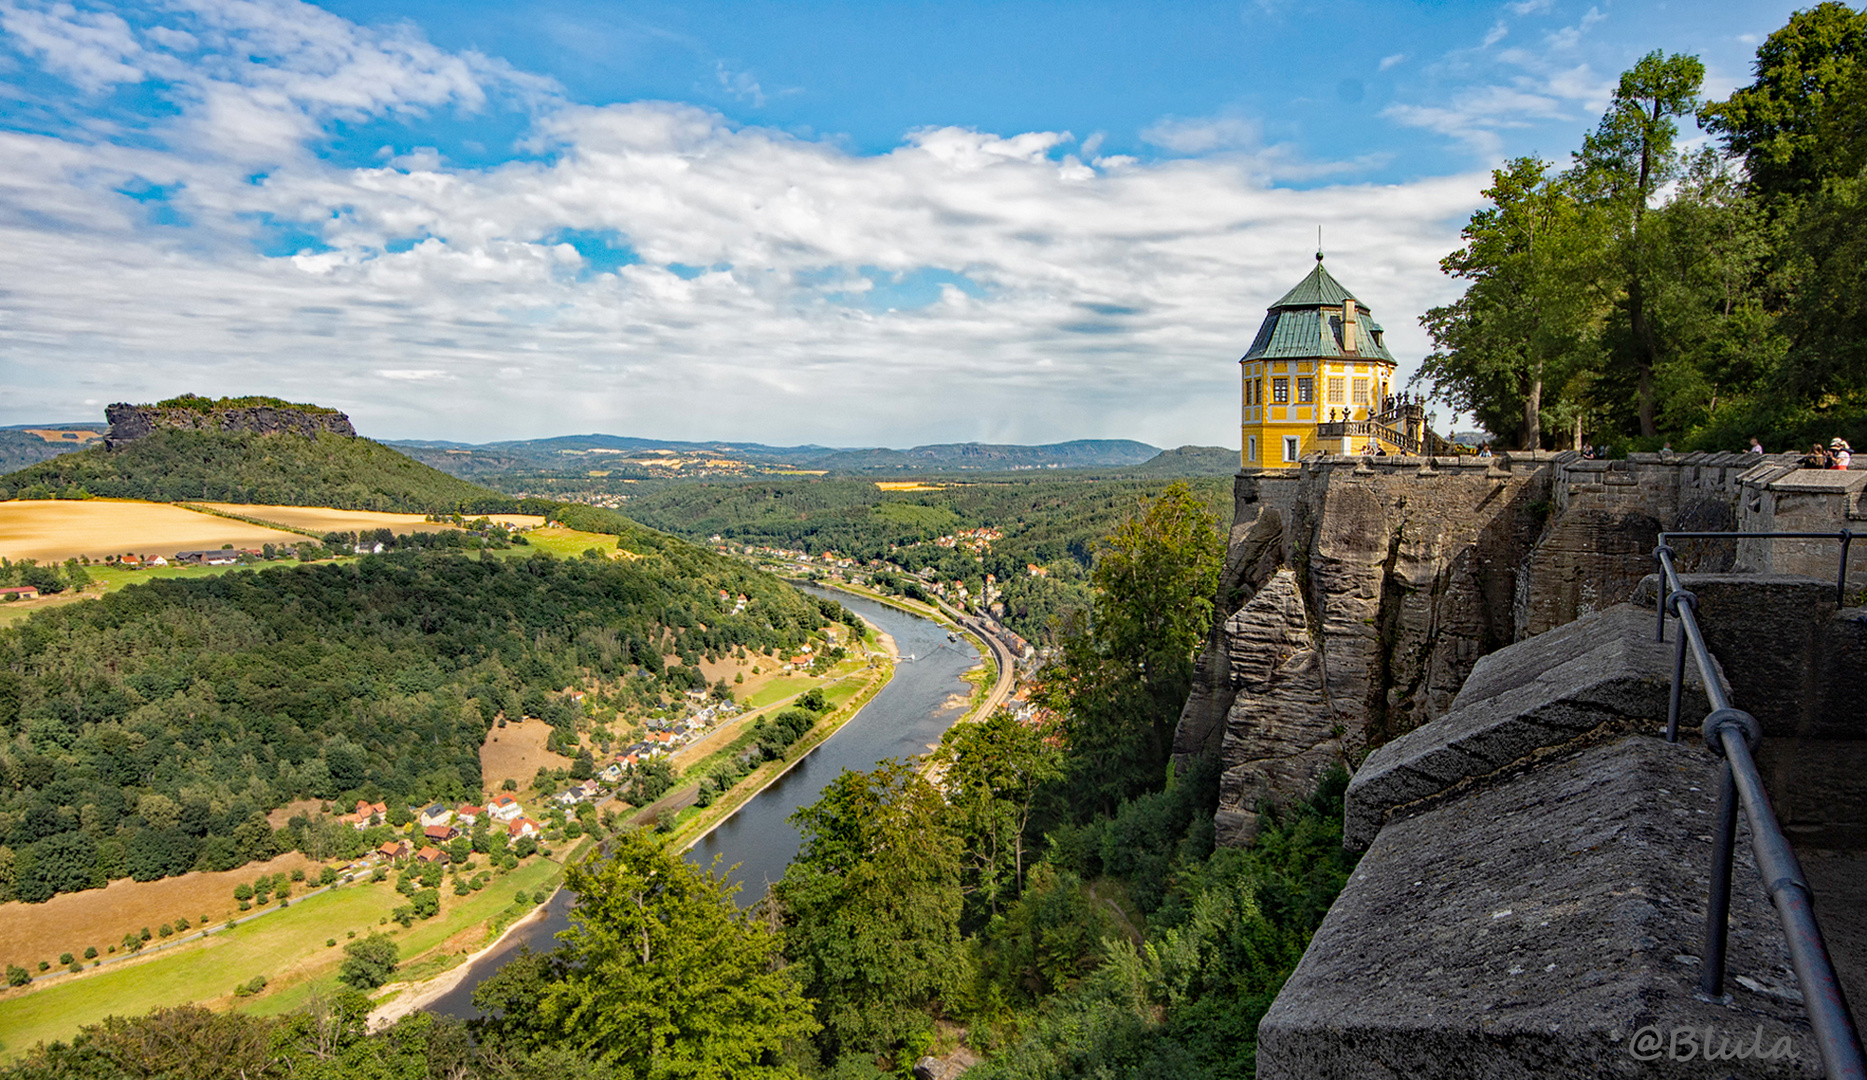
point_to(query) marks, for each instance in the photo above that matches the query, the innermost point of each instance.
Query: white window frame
(1293, 445)
(1251, 448)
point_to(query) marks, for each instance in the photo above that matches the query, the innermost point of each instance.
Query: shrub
(64, 958)
(330, 943)
(165, 930)
(182, 923)
(520, 897)
(540, 896)
(327, 875)
(45, 965)
(298, 873)
(250, 987)
(243, 892)
(146, 934)
(17, 976)
(74, 967)
(90, 952)
(246, 905)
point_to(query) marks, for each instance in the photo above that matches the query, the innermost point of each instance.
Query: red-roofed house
(431, 854)
(522, 827)
(504, 808)
(19, 592)
(393, 849)
(467, 815)
(440, 833)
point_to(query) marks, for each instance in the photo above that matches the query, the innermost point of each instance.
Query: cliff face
(131, 422)
(1358, 593)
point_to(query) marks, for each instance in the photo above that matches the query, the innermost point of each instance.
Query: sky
(853, 224)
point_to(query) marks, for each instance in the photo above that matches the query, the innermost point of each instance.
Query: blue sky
(841, 223)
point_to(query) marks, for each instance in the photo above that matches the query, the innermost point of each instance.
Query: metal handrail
(1733, 734)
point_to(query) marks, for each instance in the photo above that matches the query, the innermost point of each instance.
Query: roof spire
(1319, 244)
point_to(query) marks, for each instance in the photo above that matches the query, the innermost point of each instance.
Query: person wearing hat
(1840, 452)
(1816, 458)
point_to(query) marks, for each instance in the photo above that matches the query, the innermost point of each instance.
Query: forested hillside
(148, 732)
(1056, 903)
(1048, 523)
(245, 467)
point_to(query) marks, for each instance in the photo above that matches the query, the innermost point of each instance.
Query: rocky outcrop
(131, 422)
(1405, 571)
(1357, 596)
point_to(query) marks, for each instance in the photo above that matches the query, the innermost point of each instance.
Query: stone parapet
(1530, 931)
(1604, 669)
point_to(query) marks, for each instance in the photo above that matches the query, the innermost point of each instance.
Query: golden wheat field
(319, 519)
(53, 530)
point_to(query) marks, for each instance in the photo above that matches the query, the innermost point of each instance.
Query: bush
(64, 958)
(90, 952)
(250, 987)
(17, 976)
(298, 873)
(146, 934)
(327, 876)
(330, 943)
(45, 965)
(165, 930)
(369, 963)
(243, 892)
(182, 923)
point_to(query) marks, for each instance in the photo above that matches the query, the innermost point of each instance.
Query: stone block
(1600, 669)
(1530, 930)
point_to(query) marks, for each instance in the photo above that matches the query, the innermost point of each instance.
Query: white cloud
(1391, 61)
(1496, 34)
(739, 84)
(1528, 7)
(963, 284)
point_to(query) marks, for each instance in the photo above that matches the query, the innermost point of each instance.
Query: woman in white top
(1841, 451)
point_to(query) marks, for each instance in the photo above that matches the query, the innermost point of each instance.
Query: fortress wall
(1358, 592)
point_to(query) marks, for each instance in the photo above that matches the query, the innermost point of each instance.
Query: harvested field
(517, 754)
(68, 922)
(283, 816)
(53, 530)
(319, 519)
(59, 435)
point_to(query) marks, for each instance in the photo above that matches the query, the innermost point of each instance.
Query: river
(923, 699)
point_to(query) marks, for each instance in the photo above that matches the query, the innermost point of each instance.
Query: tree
(661, 976)
(1775, 124)
(871, 908)
(992, 772)
(1529, 321)
(1622, 164)
(1124, 671)
(369, 961)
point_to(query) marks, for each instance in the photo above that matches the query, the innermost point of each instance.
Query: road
(1007, 669)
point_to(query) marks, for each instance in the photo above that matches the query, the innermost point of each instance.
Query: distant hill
(250, 450)
(29, 444)
(659, 457)
(1190, 461)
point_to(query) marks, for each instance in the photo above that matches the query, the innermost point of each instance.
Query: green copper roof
(1307, 324)
(1317, 289)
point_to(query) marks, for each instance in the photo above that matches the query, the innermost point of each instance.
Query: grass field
(321, 520)
(518, 754)
(68, 922)
(570, 543)
(53, 530)
(288, 947)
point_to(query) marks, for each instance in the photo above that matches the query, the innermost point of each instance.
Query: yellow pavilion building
(1319, 378)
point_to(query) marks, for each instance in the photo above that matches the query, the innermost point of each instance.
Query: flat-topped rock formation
(259, 416)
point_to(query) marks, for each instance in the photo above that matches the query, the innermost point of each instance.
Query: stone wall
(1358, 592)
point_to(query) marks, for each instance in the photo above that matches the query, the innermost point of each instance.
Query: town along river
(923, 699)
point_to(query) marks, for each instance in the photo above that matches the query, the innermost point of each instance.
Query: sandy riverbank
(405, 998)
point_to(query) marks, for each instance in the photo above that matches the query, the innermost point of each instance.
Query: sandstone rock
(131, 422)
(1530, 930)
(1605, 668)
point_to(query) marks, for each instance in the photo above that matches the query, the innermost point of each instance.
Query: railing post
(1718, 902)
(1841, 577)
(1678, 691)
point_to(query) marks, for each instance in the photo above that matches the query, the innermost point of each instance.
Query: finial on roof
(1319, 243)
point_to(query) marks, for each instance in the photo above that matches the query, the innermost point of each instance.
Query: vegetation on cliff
(1648, 293)
(172, 465)
(148, 732)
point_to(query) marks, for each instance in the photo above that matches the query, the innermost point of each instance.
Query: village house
(372, 813)
(435, 815)
(504, 808)
(432, 854)
(522, 827)
(393, 850)
(468, 814)
(440, 833)
(19, 592)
